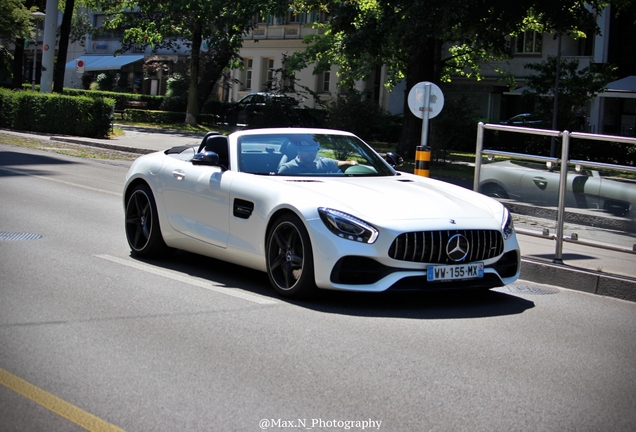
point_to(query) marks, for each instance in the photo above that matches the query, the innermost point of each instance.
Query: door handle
(178, 174)
(541, 182)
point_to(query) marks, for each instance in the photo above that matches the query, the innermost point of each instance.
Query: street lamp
(38, 16)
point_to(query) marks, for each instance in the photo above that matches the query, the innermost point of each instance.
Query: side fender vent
(243, 209)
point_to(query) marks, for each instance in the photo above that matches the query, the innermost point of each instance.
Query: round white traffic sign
(417, 104)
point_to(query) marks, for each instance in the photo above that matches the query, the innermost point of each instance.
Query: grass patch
(77, 150)
(202, 128)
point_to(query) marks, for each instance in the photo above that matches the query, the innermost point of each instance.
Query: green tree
(74, 28)
(15, 20)
(65, 33)
(220, 23)
(577, 87)
(15, 25)
(409, 37)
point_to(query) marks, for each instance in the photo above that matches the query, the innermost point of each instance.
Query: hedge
(57, 114)
(154, 102)
(164, 117)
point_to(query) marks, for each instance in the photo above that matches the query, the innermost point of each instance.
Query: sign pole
(425, 100)
(426, 108)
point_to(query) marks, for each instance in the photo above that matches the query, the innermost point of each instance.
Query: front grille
(430, 246)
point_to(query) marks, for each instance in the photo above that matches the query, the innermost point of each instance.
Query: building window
(105, 33)
(268, 73)
(248, 74)
(293, 17)
(529, 43)
(586, 44)
(324, 17)
(325, 82)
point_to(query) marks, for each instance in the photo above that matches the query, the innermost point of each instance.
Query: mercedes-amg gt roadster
(317, 209)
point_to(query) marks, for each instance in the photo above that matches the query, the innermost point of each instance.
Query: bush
(148, 116)
(103, 82)
(215, 107)
(58, 114)
(356, 114)
(177, 103)
(177, 86)
(154, 102)
(454, 128)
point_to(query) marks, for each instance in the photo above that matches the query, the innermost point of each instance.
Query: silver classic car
(536, 184)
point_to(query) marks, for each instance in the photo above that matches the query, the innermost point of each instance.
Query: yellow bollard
(423, 161)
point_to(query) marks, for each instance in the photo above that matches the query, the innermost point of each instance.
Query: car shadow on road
(454, 304)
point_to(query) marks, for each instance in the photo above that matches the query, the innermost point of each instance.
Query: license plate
(455, 272)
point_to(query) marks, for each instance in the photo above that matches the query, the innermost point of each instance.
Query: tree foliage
(17, 24)
(15, 20)
(221, 24)
(410, 37)
(577, 87)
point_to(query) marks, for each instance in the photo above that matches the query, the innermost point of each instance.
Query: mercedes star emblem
(457, 248)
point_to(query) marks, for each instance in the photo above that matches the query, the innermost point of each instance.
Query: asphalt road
(193, 344)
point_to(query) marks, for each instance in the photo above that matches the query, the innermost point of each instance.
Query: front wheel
(493, 190)
(142, 224)
(290, 262)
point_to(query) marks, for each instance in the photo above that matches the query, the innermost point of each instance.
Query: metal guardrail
(565, 136)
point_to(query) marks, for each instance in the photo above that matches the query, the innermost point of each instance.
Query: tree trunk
(424, 64)
(18, 60)
(211, 73)
(65, 32)
(193, 104)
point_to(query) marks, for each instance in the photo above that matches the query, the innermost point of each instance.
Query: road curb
(565, 276)
(102, 145)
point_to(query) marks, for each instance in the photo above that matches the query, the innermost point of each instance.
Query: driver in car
(307, 161)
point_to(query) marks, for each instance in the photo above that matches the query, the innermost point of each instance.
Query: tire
(290, 261)
(493, 190)
(142, 224)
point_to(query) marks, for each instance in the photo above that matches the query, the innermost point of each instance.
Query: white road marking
(60, 181)
(189, 280)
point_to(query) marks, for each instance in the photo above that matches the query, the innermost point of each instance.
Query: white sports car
(317, 208)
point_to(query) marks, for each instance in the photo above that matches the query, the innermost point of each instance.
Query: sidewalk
(584, 268)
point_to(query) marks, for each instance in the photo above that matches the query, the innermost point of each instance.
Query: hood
(404, 197)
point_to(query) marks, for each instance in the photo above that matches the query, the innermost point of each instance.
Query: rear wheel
(142, 224)
(290, 262)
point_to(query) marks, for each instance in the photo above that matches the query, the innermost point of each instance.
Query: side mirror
(394, 159)
(206, 158)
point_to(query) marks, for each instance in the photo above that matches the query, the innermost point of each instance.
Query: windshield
(298, 154)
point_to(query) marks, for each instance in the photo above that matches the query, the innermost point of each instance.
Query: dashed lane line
(189, 280)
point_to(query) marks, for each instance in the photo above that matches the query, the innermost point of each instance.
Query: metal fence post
(478, 150)
(565, 151)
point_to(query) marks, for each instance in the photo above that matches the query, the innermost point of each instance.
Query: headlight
(346, 226)
(506, 226)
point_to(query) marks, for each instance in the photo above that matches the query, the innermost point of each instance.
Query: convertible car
(534, 183)
(317, 208)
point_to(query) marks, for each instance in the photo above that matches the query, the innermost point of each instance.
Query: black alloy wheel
(493, 190)
(290, 263)
(142, 224)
